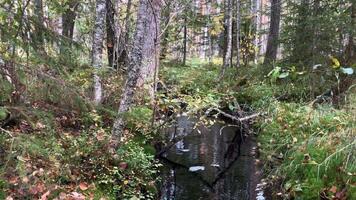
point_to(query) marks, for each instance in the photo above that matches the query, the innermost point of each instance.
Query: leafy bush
(135, 176)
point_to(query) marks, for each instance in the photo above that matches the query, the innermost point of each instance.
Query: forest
(177, 99)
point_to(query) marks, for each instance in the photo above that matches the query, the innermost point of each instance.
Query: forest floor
(54, 152)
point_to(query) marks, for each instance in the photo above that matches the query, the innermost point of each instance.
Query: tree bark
(273, 37)
(114, 42)
(97, 48)
(350, 48)
(185, 41)
(238, 22)
(38, 37)
(257, 23)
(68, 18)
(145, 36)
(124, 42)
(110, 32)
(227, 56)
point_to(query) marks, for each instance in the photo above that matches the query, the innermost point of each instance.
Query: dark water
(207, 163)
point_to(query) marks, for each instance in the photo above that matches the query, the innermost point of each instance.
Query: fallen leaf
(45, 195)
(333, 189)
(25, 179)
(13, 180)
(62, 196)
(77, 196)
(83, 186)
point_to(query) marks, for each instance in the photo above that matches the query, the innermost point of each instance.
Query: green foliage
(309, 149)
(312, 30)
(2, 189)
(3, 113)
(134, 178)
(6, 89)
(139, 118)
(197, 85)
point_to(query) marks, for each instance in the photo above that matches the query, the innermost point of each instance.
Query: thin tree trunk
(238, 31)
(68, 18)
(146, 34)
(227, 56)
(97, 48)
(110, 32)
(185, 41)
(257, 16)
(273, 37)
(124, 43)
(350, 48)
(128, 21)
(38, 37)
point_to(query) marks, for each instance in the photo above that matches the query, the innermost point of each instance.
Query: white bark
(97, 48)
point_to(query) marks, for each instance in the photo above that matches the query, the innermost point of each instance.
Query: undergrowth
(57, 146)
(307, 150)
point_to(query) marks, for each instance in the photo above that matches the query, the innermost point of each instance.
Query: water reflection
(223, 171)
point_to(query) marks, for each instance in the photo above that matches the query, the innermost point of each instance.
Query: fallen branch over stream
(232, 117)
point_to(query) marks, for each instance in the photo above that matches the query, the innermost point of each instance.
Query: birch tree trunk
(97, 48)
(227, 56)
(257, 21)
(144, 39)
(273, 37)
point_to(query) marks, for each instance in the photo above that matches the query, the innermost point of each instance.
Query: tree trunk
(114, 42)
(273, 37)
(124, 42)
(128, 21)
(68, 18)
(146, 35)
(227, 56)
(38, 37)
(350, 48)
(238, 22)
(185, 41)
(97, 48)
(110, 32)
(257, 23)
(150, 45)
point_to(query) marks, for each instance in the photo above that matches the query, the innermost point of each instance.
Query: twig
(233, 117)
(6, 131)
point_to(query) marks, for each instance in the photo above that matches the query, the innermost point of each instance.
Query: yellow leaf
(335, 62)
(126, 182)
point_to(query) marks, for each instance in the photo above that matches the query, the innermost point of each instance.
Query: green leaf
(3, 113)
(348, 71)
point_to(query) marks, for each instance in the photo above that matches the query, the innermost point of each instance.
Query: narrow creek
(209, 163)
